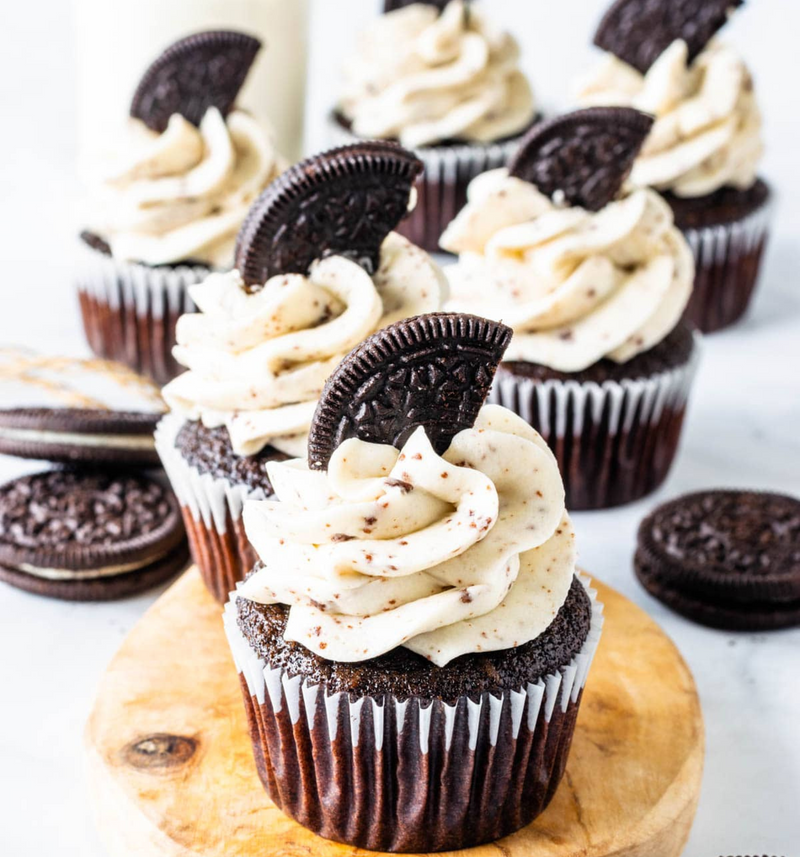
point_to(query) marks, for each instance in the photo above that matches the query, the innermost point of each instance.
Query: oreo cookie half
(728, 559)
(639, 31)
(584, 156)
(341, 203)
(203, 70)
(432, 370)
(89, 536)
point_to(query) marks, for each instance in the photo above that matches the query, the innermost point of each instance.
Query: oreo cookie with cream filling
(73, 411)
(89, 536)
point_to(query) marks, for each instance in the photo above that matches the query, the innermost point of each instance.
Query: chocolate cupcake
(594, 284)
(414, 646)
(317, 270)
(705, 147)
(167, 210)
(441, 80)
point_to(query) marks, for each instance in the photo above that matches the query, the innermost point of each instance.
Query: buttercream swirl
(423, 78)
(183, 194)
(707, 133)
(471, 551)
(258, 360)
(575, 286)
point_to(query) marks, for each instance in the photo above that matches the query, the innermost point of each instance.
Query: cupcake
(167, 209)
(445, 83)
(318, 269)
(414, 644)
(594, 284)
(705, 147)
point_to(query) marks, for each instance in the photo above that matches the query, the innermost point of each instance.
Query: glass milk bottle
(116, 40)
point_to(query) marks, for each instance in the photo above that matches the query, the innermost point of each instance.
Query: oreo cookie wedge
(341, 203)
(727, 559)
(582, 157)
(89, 536)
(433, 371)
(639, 31)
(201, 71)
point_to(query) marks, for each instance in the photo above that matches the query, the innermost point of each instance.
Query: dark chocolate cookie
(728, 559)
(584, 156)
(432, 370)
(79, 435)
(404, 674)
(341, 203)
(89, 536)
(391, 5)
(203, 70)
(639, 31)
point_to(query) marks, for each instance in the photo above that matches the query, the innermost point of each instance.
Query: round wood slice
(172, 773)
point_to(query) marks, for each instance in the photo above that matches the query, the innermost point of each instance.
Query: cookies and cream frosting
(183, 194)
(470, 551)
(258, 360)
(707, 133)
(575, 286)
(422, 78)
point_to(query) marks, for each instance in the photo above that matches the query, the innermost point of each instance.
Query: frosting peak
(182, 194)
(707, 133)
(258, 360)
(466, 552)
(575, 286)
(423, 78)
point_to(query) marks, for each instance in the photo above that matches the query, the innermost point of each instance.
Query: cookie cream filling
(422, 78)
(183, 194)
(91, 574)
(575, 286)
(470, 551)
(258, 360)
(707, 133)
(111, 441)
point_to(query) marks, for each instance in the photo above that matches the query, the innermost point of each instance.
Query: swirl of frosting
(707, 133)
(422, 78)
(575, 286)
(258, 360)
(471, 551)
(183, 194)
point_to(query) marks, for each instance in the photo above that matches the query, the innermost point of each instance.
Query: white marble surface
(743, 430)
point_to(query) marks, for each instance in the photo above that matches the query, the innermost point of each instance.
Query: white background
(743, 430)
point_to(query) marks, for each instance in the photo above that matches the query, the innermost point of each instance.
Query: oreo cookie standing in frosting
(706, 146)
(727, 559)
(89, 536)
(74, 411)
(593, 279)
(318, 269)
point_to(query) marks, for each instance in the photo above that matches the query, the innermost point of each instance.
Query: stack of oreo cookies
(95, 526)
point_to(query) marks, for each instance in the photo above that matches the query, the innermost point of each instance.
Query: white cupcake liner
(130, 309)
(212, 514)
(442, 188)
(615, 441)
(727, 263)
(503, 753)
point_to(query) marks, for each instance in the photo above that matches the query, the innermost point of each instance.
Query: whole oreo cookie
(391, 5)
(203, 70)
(343, 202)
(79, 435)
(87, 536)
(728, 559)
(432, 370)
(583, 156)
(639, 31)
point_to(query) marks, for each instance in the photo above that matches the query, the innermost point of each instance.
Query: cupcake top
(707, 133)
(579, 271)
(423, 78)
(270, 332)
(190, 166)
(442, 529)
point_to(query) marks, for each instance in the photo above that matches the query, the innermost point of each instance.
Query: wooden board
(171, 769)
